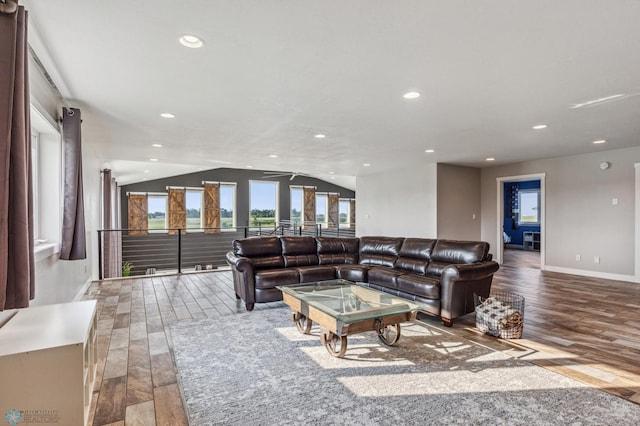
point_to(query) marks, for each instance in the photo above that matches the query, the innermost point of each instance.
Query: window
(46, 165)
(227, 205)
(34, 177)
(344, 207)
(322, 215)
(193, 206)
(529, 203)
(263, 207)
(157, 211)
(297, 204)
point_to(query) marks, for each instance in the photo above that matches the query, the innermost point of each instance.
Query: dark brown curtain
(211, 208)
(137, 214)
(73, 245)
(17, 280)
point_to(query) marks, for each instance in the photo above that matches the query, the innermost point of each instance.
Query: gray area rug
(256, 369)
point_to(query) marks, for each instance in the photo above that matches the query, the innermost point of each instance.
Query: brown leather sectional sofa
(441, 274)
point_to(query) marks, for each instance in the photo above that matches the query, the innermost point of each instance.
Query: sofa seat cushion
(309, 274)
(379, 251)
(300, 260)
(337, 245)
(355, 273)
(386, 277)
(420, 285)
(338, 258)
(269, 278)
(257, 247)
(299, 251)
(450, 252)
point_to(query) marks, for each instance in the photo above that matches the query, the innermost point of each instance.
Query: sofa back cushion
(264, 252)
(379, 251)
(414, 255)
(337, 251)
(447, 252)
(299, 251)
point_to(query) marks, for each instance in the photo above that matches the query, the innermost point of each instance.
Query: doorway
(521, 202)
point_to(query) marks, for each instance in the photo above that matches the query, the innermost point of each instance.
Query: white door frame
(500, 216)
(637, 254)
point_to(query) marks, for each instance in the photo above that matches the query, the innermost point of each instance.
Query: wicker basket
(500, 315)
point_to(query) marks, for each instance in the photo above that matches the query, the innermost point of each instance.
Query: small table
(342, 308)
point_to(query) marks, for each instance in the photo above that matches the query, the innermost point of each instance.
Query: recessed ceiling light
(189, 40)
(153, 159)
(332, 173)
(146, 171)
(249, 167)
(319, 136)
(539, 126)
(429, 150)
(599, 142)
(167, 115)
(145, 178)
(157, 145)
(366, 164)
(273, 156)
(411, 95)
(491, 159)
(333, 177)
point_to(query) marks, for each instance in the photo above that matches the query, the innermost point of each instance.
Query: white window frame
(47, 184)
(165, 196)
(348, 203)
(325, 223)
(277, 200)
(201, 193)
(301, 189)
(520, 205)
(234, 188)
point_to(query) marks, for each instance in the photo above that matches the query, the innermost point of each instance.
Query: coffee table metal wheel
(335, 345)
(303, 324)
(388, 334)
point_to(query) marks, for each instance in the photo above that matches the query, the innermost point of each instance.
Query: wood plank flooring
(584, 328)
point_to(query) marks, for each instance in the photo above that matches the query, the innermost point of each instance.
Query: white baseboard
(593, 274)
(82, 290)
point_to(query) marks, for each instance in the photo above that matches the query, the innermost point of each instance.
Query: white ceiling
(273, 73)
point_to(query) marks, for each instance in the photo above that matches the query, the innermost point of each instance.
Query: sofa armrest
(240, 263)
(243, 277)
(459, 282)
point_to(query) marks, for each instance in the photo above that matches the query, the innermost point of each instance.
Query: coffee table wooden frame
(333, 332)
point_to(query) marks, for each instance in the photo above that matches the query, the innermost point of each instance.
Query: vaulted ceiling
(272, 74)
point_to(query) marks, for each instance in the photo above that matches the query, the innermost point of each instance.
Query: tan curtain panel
(137, 214)
(352, 214)
(211, 208)
(177, 210)
(334, 217)
(309, 204)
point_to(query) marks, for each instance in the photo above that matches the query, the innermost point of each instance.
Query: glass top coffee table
(342, 308)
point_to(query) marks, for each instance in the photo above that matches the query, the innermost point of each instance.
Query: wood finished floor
(584, 328)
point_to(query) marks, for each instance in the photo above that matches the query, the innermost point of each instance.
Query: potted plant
(126, 269)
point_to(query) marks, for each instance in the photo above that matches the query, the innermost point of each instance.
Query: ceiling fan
(282, 174)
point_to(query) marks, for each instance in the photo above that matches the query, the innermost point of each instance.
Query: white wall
(60, 280)
(400, 203)
(458, 202)
(580, 215)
